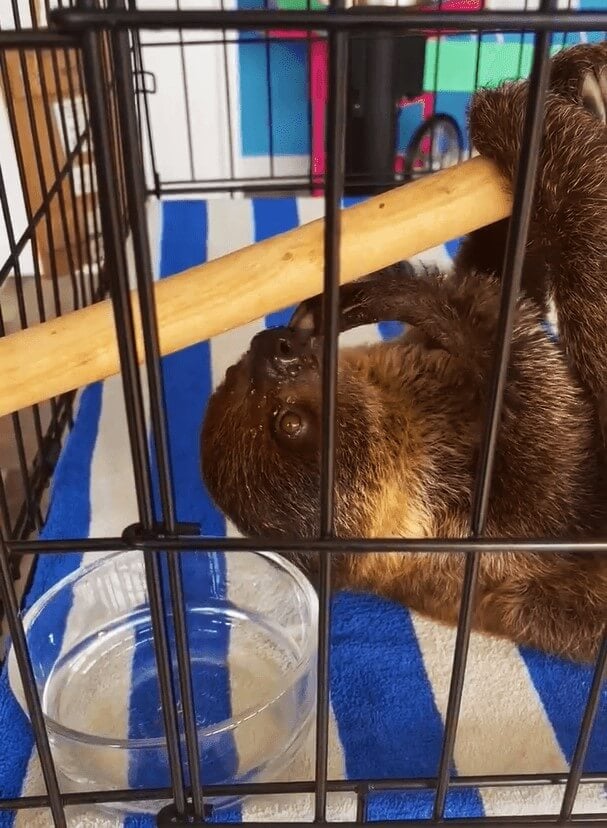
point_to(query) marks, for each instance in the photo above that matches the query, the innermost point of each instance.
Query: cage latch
(168, 816)
(136, 535)
(141, 78)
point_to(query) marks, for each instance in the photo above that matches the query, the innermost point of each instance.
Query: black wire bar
(510, 290)
(134, 538)
(335, 143)
(118, 156)
(364, 19)
(30, 691)
(135, 188)
(110, 203)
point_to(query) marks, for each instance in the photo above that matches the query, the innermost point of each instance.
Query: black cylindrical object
(381, 70)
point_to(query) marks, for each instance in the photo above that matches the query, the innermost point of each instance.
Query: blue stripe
(383, 701)
(452, 247)
(562, 686)
(563, 689)
(277, 215)
(188, 384)
(384, 706)
(390, 330)
(271, 217)
(69, 517)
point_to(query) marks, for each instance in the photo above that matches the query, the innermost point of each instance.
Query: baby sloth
(410, 412)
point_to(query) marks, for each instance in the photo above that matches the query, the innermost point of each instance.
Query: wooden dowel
(80, 347)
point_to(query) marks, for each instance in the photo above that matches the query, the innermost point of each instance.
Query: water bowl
(252, 631)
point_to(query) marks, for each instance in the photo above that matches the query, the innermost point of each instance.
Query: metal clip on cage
(98, 45)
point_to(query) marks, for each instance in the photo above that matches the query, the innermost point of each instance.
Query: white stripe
(365, 335)
(500, 708)
(435, 256)
(229, 228)
(113, 499)
(225, 350)
(76, 817)
(266, 731)
(154, 219)
(113, 506)
(309, 209)
(503, 727)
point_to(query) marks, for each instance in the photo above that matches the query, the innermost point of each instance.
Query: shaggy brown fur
(410, 412)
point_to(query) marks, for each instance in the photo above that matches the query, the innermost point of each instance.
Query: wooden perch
(80, 347)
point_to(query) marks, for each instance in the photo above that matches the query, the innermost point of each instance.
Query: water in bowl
(238, 661)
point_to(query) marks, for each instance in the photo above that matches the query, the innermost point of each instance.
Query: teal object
(456, 70)
(451, 61)
(299, 5)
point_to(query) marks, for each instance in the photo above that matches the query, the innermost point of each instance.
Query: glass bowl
(252, 629)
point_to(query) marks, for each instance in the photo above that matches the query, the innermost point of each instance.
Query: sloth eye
(293, 425)
(290, 423)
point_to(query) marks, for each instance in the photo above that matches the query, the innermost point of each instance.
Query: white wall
(8, 159)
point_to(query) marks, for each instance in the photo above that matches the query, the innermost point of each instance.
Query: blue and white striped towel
(390, 668)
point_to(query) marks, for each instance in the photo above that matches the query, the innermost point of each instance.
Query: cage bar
(365, 18)
(511, 281)
(335, 142)
(26, 673)
(185, 543)
(581, 748)
(119, 160)
(135, 189)
(110, 211)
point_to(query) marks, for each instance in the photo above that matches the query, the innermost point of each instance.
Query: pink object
(426, 99)
(287, 34)
(319, 86)
(318, 93)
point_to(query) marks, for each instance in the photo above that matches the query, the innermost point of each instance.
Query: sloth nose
(281, 353)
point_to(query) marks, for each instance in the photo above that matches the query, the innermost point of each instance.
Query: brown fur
(410, 412)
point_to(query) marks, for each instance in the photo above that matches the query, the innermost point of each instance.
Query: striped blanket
(390, 668)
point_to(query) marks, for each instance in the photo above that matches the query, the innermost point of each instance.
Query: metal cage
(103, 47)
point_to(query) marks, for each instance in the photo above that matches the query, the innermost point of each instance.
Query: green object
(456, 68)
(300, 5)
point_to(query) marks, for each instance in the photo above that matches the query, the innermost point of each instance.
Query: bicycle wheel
(436, 144)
